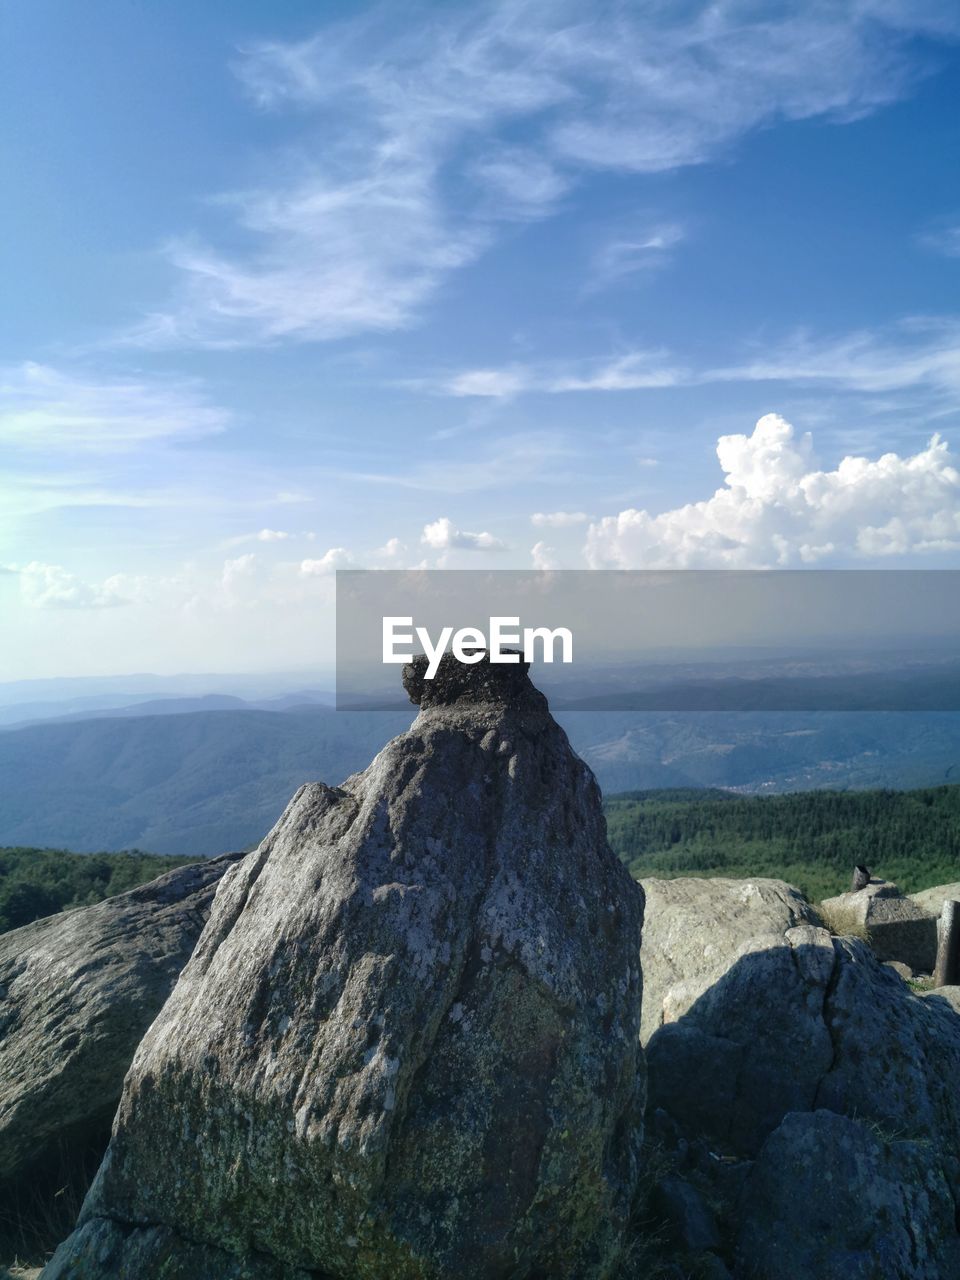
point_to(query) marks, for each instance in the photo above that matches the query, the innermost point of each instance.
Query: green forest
(813, 839)
(38, 882)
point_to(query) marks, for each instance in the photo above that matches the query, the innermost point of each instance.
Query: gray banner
(809, 640)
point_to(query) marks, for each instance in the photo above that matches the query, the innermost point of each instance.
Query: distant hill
(201, 782)
(194, 784)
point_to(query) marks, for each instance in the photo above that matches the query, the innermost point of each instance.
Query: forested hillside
(812, 839)
(38, 882)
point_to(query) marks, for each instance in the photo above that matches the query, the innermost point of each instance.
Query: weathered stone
(833, 1198)
(695, 930)
(808, 1023)
(687, 1214)
(930, 901)
(407, 1043)
(898, 967)
(128, 1252)
(734, 975)
(947, 995)
(896, 926)
(77, 992)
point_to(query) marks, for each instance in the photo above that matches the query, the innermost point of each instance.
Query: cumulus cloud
(778, 508)
(443, 535)
(412, 163)
(543, 557)
(51, 586)
(329, 562)
(391, 549)
(558, 519)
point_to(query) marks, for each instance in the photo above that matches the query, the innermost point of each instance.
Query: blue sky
(294, 286)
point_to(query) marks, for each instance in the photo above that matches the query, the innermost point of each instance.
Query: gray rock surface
(817, 1061)
(734, 976)
(686, 1212)
(897, 926)
(835, 1199)
(77, 992)
(695, 929)
(948, 995)
(930, 901)
(407, 1043)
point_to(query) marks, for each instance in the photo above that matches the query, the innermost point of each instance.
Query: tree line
(40, 882)
(813, 839)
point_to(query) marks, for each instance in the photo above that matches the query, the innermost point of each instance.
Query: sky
(301, 286)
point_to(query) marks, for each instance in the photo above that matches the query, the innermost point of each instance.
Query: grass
(38, 1212)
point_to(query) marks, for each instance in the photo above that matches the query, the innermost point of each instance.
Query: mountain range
(201, 775)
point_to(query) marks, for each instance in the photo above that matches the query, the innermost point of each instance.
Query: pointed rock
(407, 1043)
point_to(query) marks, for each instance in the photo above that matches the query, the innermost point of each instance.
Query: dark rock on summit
(407, 1043)
(77, 992)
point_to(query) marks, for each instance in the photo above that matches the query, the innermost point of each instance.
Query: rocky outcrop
(77, 992)
(930, 901)
(407, 1043)
(832, 1198)
(810, 1089)
(897, 927)
(732, 970)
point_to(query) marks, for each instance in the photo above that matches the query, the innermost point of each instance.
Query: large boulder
(835, 1199)
(896, 926)
(77, 992)
(407, 1043)
(734, 974)
(813, 1092)
(930, 901)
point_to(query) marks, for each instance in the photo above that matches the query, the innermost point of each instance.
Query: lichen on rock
(407, 1043)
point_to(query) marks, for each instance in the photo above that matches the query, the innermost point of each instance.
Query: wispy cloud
(558, 519)
(646, 249)
(44, 409)
(944, 237)
(920, 353)
(408, 134)
(632, 371)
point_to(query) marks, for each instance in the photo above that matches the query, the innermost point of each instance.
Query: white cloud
(391, 549)
(918, 353)
(777, 508)
(943, 239)
(264, 535)
(409, 161)
(625, 255)
(921, 352)
(636, 370)
(543, 557)
(442, 535)
(51, 586)
(42, 409)
(329, 562)
(558, 519)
